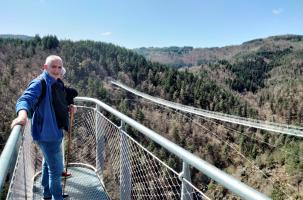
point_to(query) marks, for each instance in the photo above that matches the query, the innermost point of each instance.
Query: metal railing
(188, 158)
(9, 155)
(139, 172)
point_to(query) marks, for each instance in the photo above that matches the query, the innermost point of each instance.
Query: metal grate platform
(83, 184)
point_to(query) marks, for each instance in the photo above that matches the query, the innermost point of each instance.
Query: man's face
(55, 69)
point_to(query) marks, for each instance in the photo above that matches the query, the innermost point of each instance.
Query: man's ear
(45, 66)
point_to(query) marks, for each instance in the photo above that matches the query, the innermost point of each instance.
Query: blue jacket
(44, 125)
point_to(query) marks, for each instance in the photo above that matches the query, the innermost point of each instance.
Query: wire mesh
(127, 164)
(128, 169)
(28, 164)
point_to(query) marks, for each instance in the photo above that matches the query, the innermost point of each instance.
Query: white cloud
(106, 33)
(277, 11)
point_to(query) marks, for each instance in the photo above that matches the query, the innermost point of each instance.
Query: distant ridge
(288, 37)
(178, 57)
(12, 36)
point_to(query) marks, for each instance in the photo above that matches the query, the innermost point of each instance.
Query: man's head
(53, 65)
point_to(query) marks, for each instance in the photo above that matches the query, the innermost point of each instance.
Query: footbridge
(259, 124)
(109, 158)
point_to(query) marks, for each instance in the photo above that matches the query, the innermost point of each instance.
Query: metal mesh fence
(127, 168)
(28, 164)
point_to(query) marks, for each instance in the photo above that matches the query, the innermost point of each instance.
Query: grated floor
(83, 184)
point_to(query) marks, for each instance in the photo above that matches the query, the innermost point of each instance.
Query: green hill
(189, 56)
(11, 36)
(258, 79)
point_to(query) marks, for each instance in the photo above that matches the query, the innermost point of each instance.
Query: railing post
(186, 192)
(100, 143)
(125, 174)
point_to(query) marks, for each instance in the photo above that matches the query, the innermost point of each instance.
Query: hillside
(256, 70)
(10, 36)
(189, 56)
(222, 84)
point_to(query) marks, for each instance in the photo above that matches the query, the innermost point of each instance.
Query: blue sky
(153, 23)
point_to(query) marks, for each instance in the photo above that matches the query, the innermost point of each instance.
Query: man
(45, 130)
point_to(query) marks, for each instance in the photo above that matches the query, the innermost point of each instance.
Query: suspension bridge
(259, 124)
(107, 162)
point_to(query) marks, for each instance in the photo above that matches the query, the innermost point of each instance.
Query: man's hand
(21, 119)
(72, 108)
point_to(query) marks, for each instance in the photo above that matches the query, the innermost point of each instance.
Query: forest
(260, 79)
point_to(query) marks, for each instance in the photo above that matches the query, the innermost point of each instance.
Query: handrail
(211, 171)
(9, 154)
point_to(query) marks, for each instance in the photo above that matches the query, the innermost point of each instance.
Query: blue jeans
(52, 169)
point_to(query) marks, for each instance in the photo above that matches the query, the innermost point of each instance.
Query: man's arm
(71, 93)
(27, 101)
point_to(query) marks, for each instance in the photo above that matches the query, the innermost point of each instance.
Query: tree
(50, 42)
(277, 193)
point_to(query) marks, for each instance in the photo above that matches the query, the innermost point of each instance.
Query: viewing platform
(110, 157)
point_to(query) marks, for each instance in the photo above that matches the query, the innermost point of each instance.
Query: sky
(153, 23)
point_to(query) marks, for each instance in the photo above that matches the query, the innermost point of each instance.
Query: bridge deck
(83, 184)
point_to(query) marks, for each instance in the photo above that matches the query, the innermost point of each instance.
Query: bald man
(45, 129)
